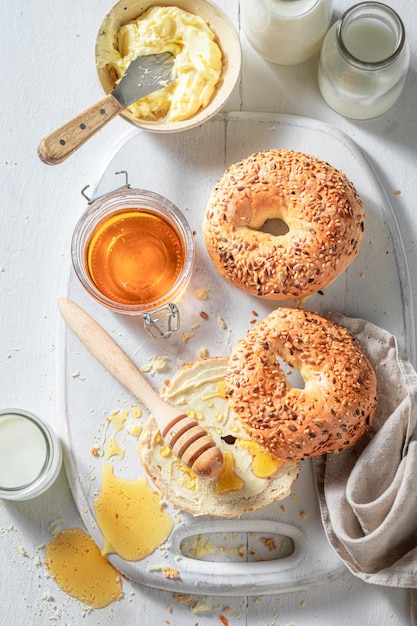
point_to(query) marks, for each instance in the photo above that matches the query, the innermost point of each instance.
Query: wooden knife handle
(64, 141)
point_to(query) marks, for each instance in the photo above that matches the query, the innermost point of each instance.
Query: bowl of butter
(207, 59)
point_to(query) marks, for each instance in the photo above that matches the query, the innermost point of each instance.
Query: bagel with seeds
(251, 478)
(329, 412)
(319, 206)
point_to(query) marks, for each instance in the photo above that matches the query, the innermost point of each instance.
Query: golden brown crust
(333, 410)
(319, 205)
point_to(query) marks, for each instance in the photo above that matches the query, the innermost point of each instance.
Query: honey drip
(228, 479)
(263, 465)
(134, 257)
(130, 516)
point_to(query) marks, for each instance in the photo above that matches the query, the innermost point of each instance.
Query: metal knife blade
(143, 76)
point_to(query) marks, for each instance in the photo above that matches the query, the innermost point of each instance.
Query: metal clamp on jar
(133, 252)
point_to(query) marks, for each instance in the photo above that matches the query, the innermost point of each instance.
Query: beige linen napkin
(368, 493)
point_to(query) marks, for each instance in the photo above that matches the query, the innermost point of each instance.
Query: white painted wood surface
(48, 68)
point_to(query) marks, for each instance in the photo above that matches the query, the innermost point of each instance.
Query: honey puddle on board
(133, 523)
(130, 516)
(134, 257)
(77, 566)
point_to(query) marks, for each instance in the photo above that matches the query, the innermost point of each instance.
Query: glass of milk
(286, 32)
(30, 455)
(364, 61)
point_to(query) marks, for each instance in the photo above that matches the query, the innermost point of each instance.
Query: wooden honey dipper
(188, 440)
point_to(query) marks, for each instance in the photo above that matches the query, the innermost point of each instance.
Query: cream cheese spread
(251, 477)
(197, 65)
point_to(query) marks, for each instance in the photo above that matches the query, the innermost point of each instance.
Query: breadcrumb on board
(171, 572)
(156, 365)
(221, 322)
(269, 542)
(202, 293)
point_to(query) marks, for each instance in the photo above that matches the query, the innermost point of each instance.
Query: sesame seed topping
(337, 403)
(319, 205)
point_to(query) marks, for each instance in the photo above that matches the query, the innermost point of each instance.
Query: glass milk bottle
(364, 61)
(286, 32)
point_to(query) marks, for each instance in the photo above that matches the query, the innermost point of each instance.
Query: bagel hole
(292, 375)
(275, 227)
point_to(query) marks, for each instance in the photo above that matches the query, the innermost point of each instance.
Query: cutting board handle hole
(237, 547)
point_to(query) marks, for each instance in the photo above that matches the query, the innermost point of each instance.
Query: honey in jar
(134, 257)
(133, 251)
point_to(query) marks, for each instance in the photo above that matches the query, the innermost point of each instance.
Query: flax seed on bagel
(319, 206)
(330, 413)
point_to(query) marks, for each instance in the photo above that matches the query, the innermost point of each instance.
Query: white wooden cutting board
(184, 167)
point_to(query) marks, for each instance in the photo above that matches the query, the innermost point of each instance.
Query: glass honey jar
(133, 252)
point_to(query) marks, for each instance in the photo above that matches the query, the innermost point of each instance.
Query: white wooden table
(48, 75)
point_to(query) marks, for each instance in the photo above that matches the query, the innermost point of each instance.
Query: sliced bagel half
(251, 477)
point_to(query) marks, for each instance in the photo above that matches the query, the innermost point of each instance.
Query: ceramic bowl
(226, 37)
